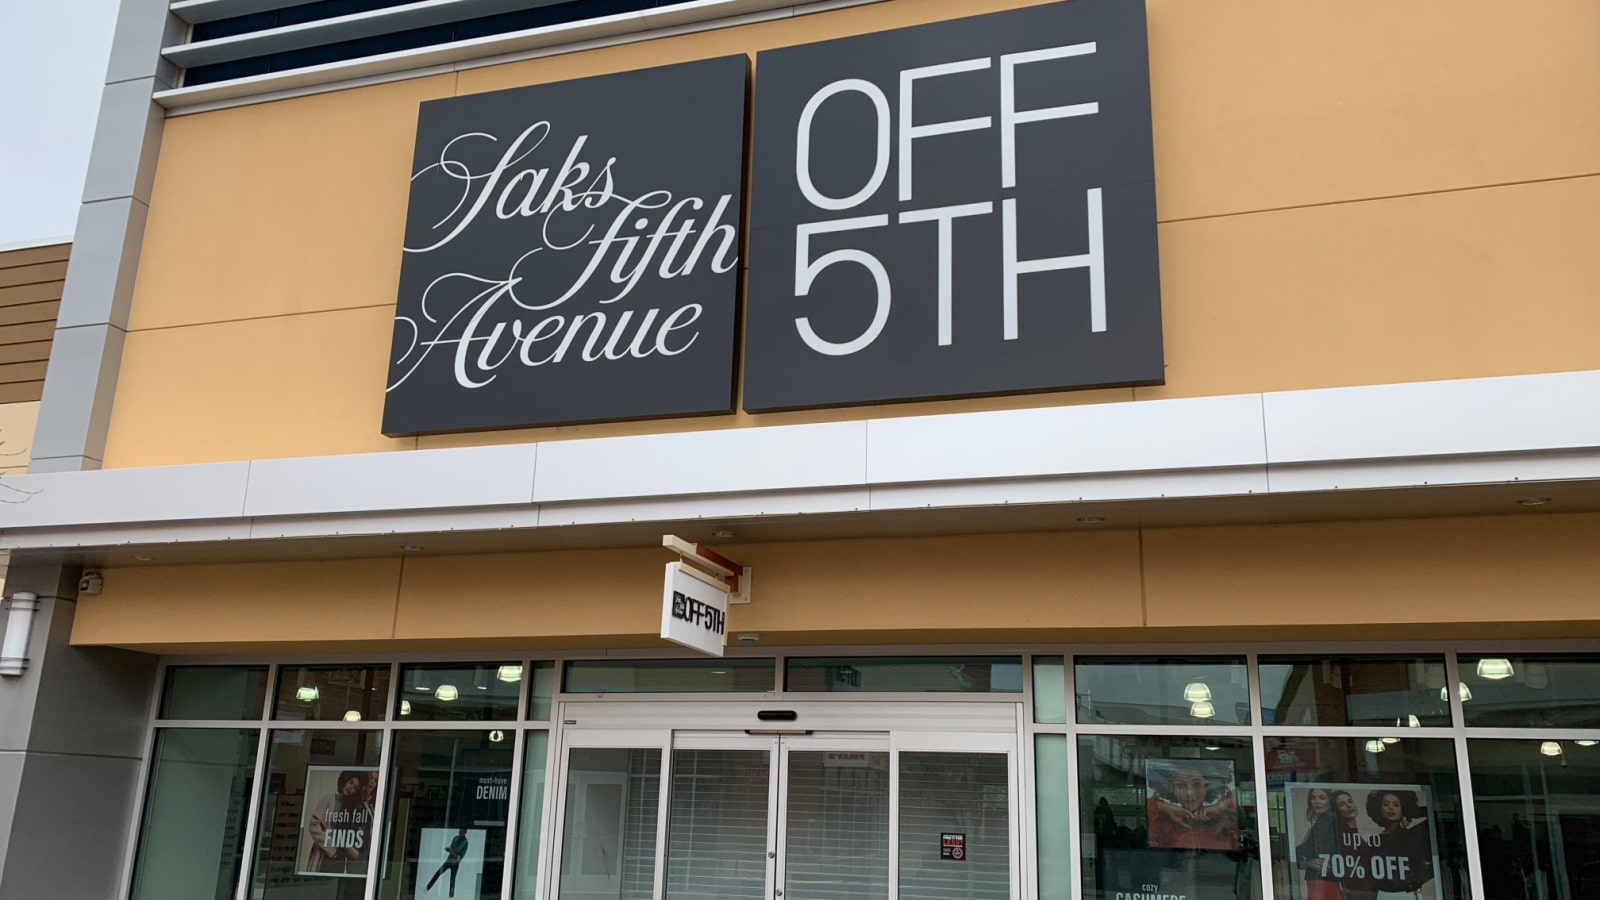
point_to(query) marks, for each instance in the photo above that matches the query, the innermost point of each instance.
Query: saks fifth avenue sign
(957, 209)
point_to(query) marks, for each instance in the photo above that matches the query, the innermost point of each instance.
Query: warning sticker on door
(952, 846)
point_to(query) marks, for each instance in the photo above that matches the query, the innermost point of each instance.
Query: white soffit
(1480, 431)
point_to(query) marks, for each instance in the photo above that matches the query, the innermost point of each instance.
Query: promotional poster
(1192, 804)
(450, 860)
(336, 821)
(1362, 841)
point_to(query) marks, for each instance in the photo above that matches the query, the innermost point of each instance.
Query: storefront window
(1052, 783)
(1538, 817)
(450, 798)
(316, 831)
(481, 692)
(670, 676)
(608, 836)
(530, 819)
(954, 803)
(1049, 690)
(1358, 690)
(1355, 819)
(1531, 691)
(214, 692)
(192, 838)
(542, 690)
(1167, 816)
(910, 674)
(332, 693)
(1198, 691)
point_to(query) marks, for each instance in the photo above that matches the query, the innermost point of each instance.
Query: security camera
(91, 583)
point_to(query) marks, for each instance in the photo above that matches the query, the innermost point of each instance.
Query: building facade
(1158, 445)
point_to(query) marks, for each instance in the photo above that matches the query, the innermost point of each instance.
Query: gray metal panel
(68, 832)
(91, 700)
(143, 28)
(78, 388)
(171, 493)
(105, 258)
(127, 139)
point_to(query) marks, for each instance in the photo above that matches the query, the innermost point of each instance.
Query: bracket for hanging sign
(735, 576)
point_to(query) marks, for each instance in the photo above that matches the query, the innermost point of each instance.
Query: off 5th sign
(956, 209)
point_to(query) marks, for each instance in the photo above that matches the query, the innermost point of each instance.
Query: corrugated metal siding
(30, 298)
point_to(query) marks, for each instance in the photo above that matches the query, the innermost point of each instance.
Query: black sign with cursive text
(955, 209)
(571, 253)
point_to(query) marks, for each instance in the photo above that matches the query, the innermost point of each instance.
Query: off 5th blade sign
(957, 209)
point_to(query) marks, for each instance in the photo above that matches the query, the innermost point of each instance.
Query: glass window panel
(1168, 817)
(450, 796)
(332, 693)
(1359, 818)
(669, 676)
(1167, 691)
(911, 674)
(541, 693)
(1052, 782)
(530, 820)
(717, 831)
(608, 838)
(191, 842)
(1049, 690)
(1354, 690)
(1531, 691)
(214, 692)
(1538, 817)
(466, 692)
(314, 837)
(837, 826)
(955, 826)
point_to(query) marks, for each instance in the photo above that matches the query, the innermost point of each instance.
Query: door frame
(892, 726)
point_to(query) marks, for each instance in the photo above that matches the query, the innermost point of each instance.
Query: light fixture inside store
(1466, 694)
(1536, 675)
(351, 715)
(480, 679)
(1495, 668)
(1586, 743)
(405, 707)
(446, 692)
(509, 674)
(420, 681)
(496, 737)
(1413, 722)
(307, 693)
(1202, 710)
(1390, 740)
(1213, 749)
(1376, 746)
(1196, 692)
(1550, 748)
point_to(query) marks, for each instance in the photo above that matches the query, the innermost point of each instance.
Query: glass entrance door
(802, 816)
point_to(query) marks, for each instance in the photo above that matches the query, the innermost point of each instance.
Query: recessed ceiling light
(1091, 520)
(722, 534)
(1533, 501)
(412, 548)
(141, 558)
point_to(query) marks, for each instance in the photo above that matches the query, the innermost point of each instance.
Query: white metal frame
(1025, 812)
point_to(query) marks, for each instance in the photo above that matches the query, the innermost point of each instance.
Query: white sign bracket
(722, 570)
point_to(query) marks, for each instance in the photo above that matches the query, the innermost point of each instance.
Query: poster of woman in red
(1192, 804)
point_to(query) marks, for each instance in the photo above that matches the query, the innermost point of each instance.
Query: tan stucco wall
(1350, 193)
(1508, 576)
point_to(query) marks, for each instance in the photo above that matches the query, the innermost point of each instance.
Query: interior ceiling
(1422, 502)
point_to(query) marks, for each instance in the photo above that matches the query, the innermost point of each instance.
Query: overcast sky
(53, 63)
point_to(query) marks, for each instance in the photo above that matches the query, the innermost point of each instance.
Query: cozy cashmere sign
(956, 209)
